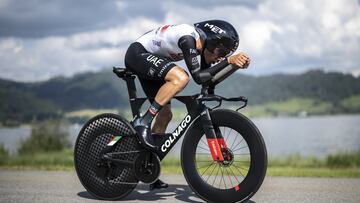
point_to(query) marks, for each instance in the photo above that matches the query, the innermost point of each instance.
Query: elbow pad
(201, 77)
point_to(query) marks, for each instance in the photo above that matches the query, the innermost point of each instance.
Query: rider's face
(211, 57)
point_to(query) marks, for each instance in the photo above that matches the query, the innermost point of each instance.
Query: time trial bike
(223, 154)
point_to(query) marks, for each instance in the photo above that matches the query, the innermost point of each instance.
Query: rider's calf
(162, 120)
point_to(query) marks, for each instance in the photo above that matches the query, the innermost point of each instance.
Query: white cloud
(42, 58)
(257, 35)
(290, 36)
(4, 4)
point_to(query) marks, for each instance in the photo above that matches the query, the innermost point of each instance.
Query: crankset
(147, 167)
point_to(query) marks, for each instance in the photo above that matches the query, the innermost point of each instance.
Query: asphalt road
(53, 186)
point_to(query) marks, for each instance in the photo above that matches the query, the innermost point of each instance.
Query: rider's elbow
(202, 77)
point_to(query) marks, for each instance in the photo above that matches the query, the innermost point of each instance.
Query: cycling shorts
(151, 69)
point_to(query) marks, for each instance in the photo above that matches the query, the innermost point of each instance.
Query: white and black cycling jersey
(152, 55)
(164, 41)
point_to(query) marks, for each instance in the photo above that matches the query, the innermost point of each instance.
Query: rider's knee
(181, 79)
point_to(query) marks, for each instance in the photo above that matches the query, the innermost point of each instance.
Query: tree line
(25, 102)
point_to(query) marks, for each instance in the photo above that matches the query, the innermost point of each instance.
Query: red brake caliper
(215, 146)
(223, 146)
(215, 149)
(222, 143)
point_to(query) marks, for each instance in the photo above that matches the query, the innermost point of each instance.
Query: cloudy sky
(40, 39)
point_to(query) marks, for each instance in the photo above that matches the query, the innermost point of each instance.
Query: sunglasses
(221, 52)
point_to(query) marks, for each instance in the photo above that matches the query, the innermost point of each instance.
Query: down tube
(172, 138)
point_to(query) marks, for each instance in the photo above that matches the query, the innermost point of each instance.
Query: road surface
(61, 186)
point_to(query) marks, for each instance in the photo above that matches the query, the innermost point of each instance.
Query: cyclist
(152, 58)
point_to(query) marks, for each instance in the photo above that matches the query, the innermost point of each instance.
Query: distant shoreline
(346, 165)
(80, 117)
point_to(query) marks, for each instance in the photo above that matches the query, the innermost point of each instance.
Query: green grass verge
(352, 102)
(339, 165)
(292, 172)
(314, 172)
(62, 160)
(342, 165)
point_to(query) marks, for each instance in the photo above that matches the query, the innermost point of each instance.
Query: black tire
(92, 140)
(197, 177)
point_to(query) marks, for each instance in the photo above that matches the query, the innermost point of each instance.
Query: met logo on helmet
(215, 28)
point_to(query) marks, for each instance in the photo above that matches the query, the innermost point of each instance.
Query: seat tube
(209, 130)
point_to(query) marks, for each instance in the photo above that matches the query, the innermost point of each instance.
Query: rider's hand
(241, 60)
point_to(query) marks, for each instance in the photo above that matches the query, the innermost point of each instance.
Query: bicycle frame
(110, 158)
(196, 109)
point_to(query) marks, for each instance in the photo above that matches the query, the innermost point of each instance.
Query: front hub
(228, 157)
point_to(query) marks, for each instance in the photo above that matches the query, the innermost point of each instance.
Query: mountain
(315, 84)
(28, 101)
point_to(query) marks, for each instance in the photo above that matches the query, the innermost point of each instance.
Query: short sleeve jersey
(164, 40)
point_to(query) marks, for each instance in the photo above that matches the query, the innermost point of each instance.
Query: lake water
(309, 136)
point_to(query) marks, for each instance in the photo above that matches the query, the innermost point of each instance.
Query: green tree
(3, 154)
(46, 137)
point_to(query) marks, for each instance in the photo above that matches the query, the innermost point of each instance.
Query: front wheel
(239, 176)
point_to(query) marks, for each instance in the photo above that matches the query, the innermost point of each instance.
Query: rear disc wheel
(104, 180)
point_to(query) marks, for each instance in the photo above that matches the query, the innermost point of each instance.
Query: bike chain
(129, 152)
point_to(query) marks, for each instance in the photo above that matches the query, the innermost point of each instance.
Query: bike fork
(213, 135)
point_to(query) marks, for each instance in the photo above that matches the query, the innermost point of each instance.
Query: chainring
(147, 167)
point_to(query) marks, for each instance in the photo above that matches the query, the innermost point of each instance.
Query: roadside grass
(314, 172)
(346, 165)
(62, 160)
(352, 102)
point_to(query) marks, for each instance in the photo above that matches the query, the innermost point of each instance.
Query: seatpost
(130, 82)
